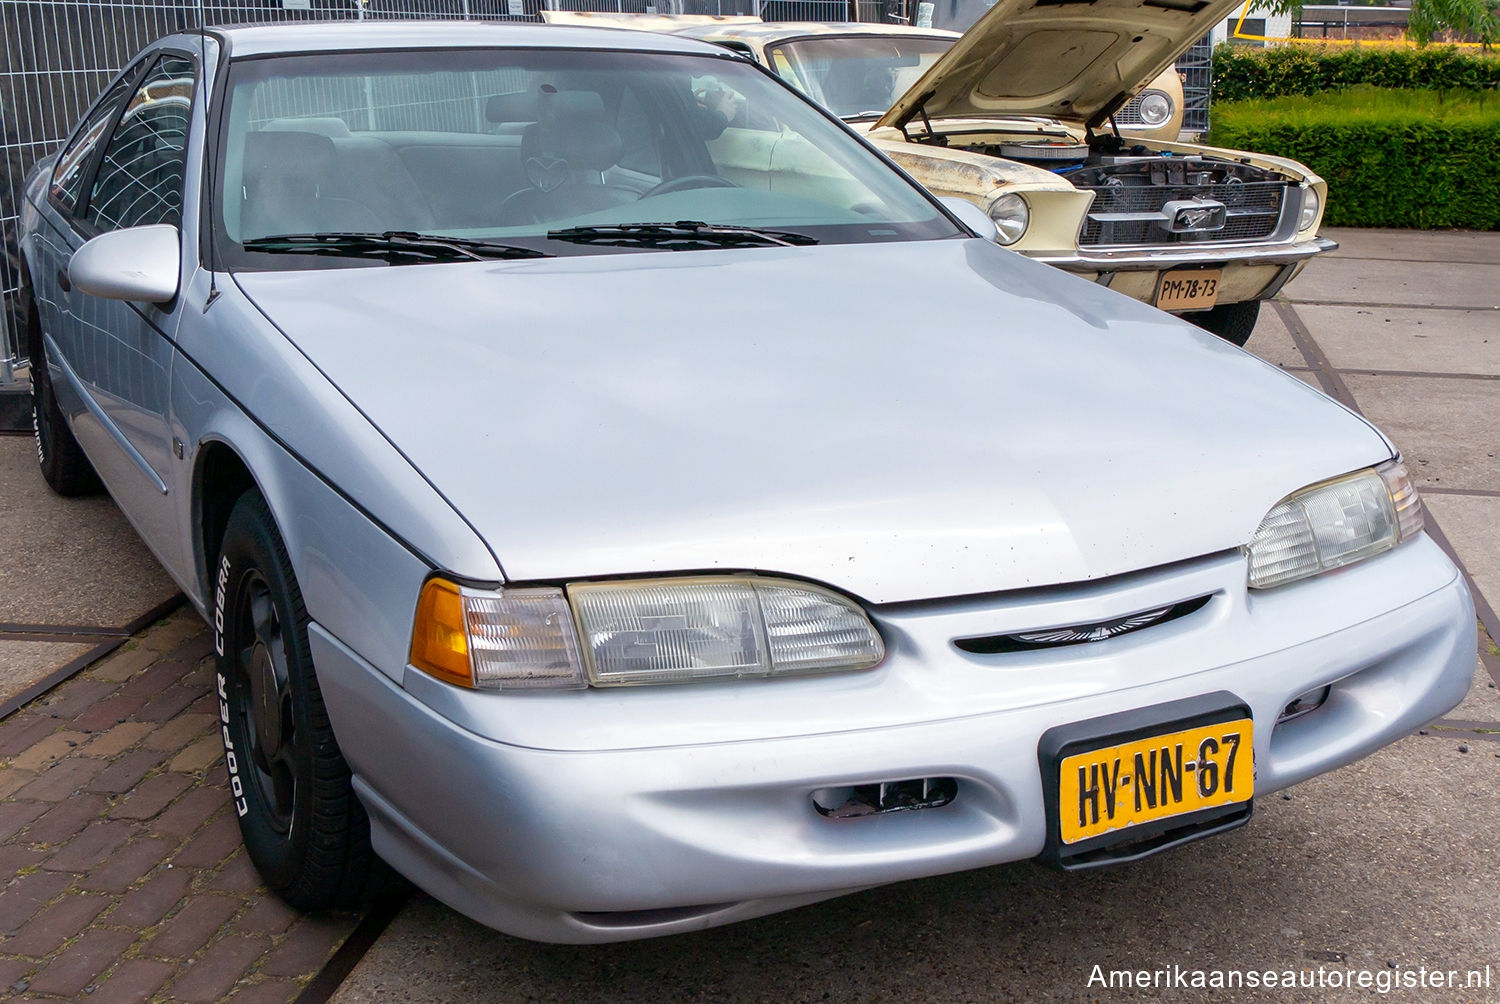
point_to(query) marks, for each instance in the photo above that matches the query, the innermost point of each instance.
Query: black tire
(303, 826)
(1232, 322)
(63, 464)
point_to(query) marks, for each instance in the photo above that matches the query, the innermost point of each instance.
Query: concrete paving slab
(1414, 245)
(1472, 525)
(1406, 339)
(1272, 342)
(23, 663)
(1409, 283)
(1448, 430)
(1390, 862)
(1482, 705)
(68, 561)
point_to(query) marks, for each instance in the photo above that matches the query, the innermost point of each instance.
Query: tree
(1476, 19)
(1471, 18)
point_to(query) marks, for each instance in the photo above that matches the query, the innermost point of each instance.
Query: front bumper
(1254, 272)
(655, 830)
(1096, 260)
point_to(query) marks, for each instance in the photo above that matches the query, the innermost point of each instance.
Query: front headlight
(609, 634)
(1310, 207)
(1335, 523)
(1012, 215)
(1155, 107)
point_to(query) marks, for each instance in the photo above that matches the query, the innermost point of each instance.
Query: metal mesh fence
(1197, 69)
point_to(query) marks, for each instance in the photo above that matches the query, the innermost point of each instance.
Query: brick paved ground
(122, 876)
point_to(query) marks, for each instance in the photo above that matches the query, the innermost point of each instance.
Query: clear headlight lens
(1335, 523)
(672, 630)
(1155, 107)
(1310, 207)
(1012, 215)
(638, 632)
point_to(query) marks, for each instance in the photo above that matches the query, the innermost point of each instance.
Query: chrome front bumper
(1156, 259)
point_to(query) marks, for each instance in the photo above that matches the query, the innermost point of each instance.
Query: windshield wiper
(690, 232)
(391, 245)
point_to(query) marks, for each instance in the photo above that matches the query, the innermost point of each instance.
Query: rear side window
(140, 177)
(71, 172)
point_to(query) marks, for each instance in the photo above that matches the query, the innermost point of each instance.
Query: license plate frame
(1130, 842)
(1189, 289)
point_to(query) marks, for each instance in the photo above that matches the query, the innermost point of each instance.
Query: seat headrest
(571, 127)
(297, 162)
(328, 126)
(518, 106)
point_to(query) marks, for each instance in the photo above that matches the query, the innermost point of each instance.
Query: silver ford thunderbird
(623, 524)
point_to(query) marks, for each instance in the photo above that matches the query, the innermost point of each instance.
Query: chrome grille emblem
(1093, 632)
(1195, 215)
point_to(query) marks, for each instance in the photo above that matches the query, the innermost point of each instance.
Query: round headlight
(1310, 207)
(1156, 108)
(1012, 216)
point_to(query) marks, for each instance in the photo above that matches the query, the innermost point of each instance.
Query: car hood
(1076, 60)
(778, 409)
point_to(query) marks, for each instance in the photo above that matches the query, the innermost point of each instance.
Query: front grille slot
(1132, 214)
(1080, 634)
(859, 800)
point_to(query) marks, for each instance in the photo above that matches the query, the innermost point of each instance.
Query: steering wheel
(687, 181)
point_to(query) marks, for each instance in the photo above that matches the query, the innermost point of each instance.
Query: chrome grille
(1130, 115)
(1254, 209)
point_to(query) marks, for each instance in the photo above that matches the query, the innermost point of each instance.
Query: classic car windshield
(553, 151)
(857, 76)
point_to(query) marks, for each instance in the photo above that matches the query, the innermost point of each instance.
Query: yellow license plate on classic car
(1109, 789)
(1189, 289)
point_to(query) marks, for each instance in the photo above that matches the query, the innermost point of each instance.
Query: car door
(71, 174)
(121, 353)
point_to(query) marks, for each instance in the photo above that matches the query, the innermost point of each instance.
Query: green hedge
(1245, 72)
(1392, 158)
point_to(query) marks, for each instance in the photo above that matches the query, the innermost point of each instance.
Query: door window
(140, 177)
(71, 171)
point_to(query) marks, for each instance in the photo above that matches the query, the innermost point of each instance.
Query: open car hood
(1076, 60)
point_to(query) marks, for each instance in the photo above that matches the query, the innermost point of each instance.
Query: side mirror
(142, 264)
(971, 216)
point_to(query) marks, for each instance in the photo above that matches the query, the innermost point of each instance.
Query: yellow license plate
(1189, 289)
(1109, 789)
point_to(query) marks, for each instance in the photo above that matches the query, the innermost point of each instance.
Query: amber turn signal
(439, 645)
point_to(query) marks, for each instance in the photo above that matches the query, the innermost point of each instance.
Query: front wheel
(302, 824)
(1232, 322)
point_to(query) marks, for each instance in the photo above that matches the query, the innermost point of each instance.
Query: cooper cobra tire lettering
(219, 588)
(231, 761)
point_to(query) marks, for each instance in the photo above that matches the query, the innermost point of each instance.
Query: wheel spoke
(263, 618)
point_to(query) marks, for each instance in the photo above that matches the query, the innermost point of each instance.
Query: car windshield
(411, 156)
(857, 76)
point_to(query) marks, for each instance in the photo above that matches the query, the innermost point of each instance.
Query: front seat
(288, 177)
(564, 155)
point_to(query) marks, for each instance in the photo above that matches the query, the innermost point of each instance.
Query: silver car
(622, 524)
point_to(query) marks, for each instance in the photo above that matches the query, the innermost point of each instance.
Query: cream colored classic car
(1015, 115)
